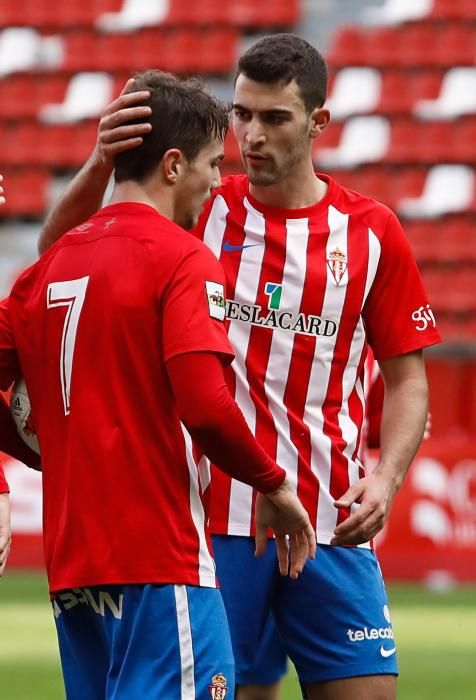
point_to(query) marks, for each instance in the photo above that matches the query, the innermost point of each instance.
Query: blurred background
(403, 102)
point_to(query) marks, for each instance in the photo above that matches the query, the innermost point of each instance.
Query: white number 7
(71, 294)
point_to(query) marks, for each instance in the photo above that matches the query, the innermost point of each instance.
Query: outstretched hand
(295, 537)
(115, 134)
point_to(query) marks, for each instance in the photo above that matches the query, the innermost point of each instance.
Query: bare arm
(83, 196)
(404, 417)
(5, 532)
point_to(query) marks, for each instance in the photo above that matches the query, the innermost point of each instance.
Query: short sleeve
(194, 307)
(397, 314)
(3, 482)
(9, 365)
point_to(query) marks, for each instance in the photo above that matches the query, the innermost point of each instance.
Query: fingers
(128, 86)
(352, 495)
(360, 527)
(2, 198)
(310, 535)
(299, 549)
(261, 540)
(115, 133)
(282, 549)
(128, 100)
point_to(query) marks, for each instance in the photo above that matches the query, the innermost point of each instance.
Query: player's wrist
(284, 487)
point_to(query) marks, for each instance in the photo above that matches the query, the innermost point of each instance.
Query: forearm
(404, 416)
(81, 199)
(214, 420)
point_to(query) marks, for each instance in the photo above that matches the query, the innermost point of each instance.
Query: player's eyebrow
(273, 112)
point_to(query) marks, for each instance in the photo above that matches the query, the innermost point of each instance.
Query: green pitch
(435, 633)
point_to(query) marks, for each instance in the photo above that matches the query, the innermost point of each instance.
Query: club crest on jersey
(216, 300)
(337, 264)
(218, 688)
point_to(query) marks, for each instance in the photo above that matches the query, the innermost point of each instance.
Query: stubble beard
(279, 173)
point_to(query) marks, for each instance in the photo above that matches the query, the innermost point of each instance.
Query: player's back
(89, 323)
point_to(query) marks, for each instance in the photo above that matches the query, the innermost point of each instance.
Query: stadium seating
(456, 98)
(86, 96)
(398, 11)
(448, 189)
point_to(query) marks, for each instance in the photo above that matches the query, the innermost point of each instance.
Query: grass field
(436, 634)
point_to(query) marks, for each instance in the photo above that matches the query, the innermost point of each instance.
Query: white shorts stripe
(187, 661)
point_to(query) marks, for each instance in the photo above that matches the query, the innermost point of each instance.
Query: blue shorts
(334, 621)
(144, 641)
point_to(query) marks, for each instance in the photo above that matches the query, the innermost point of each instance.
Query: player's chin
(258, 178)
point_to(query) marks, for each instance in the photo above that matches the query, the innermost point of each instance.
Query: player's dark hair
(184, 116)
(281, 58)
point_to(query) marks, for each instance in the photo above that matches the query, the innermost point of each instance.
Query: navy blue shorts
(144, 641)
(333, 622)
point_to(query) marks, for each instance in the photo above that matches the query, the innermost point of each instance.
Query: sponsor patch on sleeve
(216, 300)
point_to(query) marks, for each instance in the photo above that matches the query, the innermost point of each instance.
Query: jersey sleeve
(194, 307)
(9, 364)
(3, 482)
(397, 314)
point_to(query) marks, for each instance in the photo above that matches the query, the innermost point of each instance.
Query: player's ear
(319, 119)
(172, 165)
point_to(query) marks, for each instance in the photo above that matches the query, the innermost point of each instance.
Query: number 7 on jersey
(70, 294)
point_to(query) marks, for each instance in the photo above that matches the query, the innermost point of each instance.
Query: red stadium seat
(249, 13)
(27, 193)
(463, 140)
(349, 48)
(23, 95)
(81, 52)
(456, 46)
(199, 13)
(451, 290)
(457, 241)
(402, 89)
(453, 10)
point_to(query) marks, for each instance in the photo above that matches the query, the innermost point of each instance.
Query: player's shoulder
(366, 209)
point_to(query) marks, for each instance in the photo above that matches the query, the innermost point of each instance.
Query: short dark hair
(184, 116)
(281, 58)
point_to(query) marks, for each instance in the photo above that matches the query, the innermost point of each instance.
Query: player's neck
(294, 192)
(130, 191)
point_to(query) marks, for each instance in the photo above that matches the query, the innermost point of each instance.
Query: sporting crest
(337, 264)
(218, 688)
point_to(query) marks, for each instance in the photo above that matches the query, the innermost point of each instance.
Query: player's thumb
(350, 496)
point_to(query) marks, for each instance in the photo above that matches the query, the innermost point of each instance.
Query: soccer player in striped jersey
(119, 332)
(316, 273)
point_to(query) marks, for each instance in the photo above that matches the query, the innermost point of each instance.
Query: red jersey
(307, 290)
(94, 322)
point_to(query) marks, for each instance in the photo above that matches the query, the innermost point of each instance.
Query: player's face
(272, 128)
(201, 176)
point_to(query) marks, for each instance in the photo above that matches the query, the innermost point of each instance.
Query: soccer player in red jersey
(119, 332)
(315, 273)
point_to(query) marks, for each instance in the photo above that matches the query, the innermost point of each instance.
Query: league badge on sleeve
(216, 300)
(218, 688)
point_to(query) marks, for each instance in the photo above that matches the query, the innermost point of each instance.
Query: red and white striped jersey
(306, 290)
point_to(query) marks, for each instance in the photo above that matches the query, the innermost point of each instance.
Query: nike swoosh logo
(228, 248)
(387, 652)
